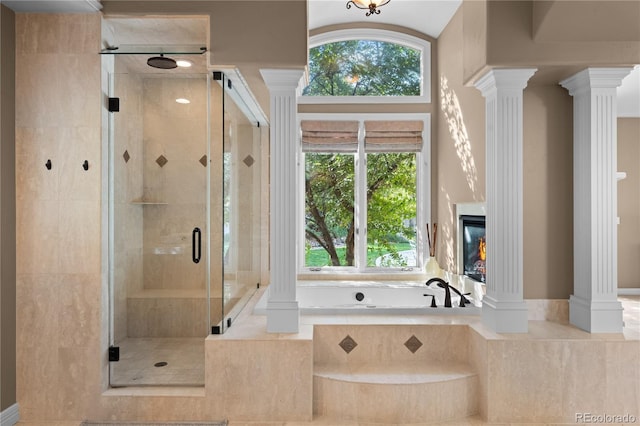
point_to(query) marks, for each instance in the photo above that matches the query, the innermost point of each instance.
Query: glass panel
(158, 224)
(391, 210)
(329, 210)
(364, 68)
(241, 200)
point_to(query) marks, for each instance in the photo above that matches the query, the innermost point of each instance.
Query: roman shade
(393, 136)
(329, 136)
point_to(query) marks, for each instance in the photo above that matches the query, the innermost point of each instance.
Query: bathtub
(372, 297)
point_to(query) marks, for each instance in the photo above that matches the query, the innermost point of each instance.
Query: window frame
(423, 46)
(423, 195)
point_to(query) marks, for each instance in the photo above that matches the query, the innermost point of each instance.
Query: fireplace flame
(482, 249)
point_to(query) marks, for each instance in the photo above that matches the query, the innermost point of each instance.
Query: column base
(283, 317)
(505, 317)
(596, 316)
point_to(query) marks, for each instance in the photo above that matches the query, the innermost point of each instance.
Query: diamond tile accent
(248, 160)
(203, 160)
(126, 156)
(413, 344)
(348, 344)
(161, 161)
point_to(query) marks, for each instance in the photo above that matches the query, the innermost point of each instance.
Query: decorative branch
(432, 244)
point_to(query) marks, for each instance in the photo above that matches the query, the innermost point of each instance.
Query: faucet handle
(433, 300)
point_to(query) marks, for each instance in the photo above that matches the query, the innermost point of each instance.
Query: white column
(503, 307)
(594, 306)
(282, 308)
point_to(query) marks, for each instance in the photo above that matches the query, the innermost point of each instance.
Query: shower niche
(184, 202)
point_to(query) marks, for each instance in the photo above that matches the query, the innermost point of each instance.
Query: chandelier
(371, 5)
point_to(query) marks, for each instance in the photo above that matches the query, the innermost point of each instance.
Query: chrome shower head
(162, 62)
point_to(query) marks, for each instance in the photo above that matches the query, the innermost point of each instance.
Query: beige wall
(474, 45)
(459, 152)
(7, 211)
(552, 20)
(510, 41)
(629, 203)
(548, 192)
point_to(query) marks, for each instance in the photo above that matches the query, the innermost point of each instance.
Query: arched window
(368, 66)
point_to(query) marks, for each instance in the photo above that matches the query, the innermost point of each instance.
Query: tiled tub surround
(546, 375)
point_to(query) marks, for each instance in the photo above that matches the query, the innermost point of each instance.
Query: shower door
(160, 149)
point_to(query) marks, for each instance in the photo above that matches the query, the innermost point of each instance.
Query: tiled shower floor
(138, 357)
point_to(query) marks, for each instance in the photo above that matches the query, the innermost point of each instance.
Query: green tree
(363, 68)
(391, 201)
(330, 212)
(329, 190)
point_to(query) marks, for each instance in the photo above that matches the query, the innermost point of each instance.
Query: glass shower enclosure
(184, 213)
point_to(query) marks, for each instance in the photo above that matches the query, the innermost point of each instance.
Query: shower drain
(160, 364)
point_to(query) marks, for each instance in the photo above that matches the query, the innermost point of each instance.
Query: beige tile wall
(549, 378)
(58, 104)
(263, 378)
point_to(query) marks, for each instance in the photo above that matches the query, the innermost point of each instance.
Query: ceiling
(426, 16)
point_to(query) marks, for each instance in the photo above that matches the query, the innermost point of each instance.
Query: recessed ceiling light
(183, 63)
(183, 101)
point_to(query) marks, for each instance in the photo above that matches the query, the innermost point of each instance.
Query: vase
(432, 267)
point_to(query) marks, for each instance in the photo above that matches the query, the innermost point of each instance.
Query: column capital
(283, 79)
(591, 78)
(504, 78)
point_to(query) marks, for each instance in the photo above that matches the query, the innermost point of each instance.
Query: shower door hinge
(229, 84)
(114, 104)
(215, 329)
(114, 353)
(217, 75)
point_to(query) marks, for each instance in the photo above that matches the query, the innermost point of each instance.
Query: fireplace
(471, 241)
(474, 247)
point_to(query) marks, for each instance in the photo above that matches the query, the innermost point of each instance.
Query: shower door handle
(196, 246)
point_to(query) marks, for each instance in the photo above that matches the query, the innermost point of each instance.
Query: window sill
(333, 274)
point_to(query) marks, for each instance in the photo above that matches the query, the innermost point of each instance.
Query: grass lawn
(319, 257)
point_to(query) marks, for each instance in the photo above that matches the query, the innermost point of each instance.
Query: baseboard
(10, 416)
(629, 291)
